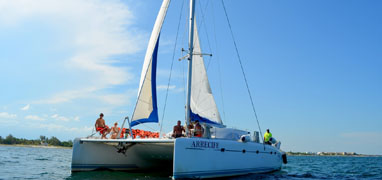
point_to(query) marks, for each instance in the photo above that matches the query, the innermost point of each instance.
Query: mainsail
(146, 109)
(203, 106)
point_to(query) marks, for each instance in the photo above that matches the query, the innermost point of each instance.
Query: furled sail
(146, 109)
(203, 106)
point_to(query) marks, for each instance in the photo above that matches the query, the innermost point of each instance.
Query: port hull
(185, 157)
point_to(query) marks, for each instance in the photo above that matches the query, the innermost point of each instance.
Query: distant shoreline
(37, 146)
(43, 141)
(288, 153)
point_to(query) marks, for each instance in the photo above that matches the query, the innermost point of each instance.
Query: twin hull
(186, 157)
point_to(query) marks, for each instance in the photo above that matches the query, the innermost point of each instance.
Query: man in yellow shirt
(268, 137)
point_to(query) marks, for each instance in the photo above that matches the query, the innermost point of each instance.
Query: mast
(190, 52)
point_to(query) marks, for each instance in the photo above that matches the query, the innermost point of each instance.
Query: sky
(313, 67)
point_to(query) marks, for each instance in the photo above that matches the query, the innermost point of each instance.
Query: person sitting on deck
(114, 131)
(178, 130)
(102, 127)
(198, 129)
(190, 128)
(268, 137)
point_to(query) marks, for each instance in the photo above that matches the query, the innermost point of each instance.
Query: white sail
(146, 107)
(203, 106)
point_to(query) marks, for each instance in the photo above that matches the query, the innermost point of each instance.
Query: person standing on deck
(268, 137)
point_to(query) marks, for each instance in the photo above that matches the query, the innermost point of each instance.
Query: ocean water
(54, 163)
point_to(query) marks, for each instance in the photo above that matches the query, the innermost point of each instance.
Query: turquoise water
(52, 163)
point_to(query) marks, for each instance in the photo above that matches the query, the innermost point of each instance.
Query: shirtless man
(114, 131)
(178, 129)
(102, 127)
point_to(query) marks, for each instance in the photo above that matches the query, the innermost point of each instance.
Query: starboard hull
(207, 158)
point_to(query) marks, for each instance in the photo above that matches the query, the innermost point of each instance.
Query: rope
(205, 31)
(202, 22)
(242, 69)
(92, 134)
(172, 63)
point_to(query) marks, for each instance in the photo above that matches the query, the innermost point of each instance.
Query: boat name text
(205, 144)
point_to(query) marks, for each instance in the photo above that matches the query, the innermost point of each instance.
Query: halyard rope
(242, 69)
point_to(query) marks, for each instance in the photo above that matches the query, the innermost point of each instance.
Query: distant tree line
(53, 141)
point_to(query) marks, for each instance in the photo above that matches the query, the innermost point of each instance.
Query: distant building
(43, 143)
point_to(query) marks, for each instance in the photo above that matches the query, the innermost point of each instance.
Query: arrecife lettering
(205, 144)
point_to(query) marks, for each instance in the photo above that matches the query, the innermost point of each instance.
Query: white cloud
(60, 118)
(25, 108)
(94, 30)
(164, 87)
(115, 99)
(89, 93)
(64, 119)
(62, 128)
(6, 115)
(170, 88)
(34, 117)
(7, 122)
(165, 73)
(67, 96)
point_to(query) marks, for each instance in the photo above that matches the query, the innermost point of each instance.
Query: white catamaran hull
(188, 157)
(201, 158)
(98, 154)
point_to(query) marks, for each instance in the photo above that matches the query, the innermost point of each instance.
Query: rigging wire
(147, 126)
(218, 61)
(205, 30)
(242, 69)
(172, 63)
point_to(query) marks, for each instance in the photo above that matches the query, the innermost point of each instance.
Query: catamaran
(220, 152)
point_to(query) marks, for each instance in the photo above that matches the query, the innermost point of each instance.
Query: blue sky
(314, 67)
